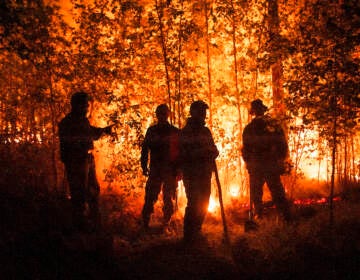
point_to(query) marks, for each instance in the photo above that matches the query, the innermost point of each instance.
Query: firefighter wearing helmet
(161, 143)
(76, 145)
(264, 151)
(197, 155)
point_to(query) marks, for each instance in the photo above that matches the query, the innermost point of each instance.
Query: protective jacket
(197, 149)
(162, 142)
(264, 141)
(76, 137)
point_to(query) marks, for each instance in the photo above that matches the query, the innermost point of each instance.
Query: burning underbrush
(122, 216)
(309, 247)
(122, 212)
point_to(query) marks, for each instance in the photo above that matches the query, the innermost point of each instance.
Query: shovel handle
(222, 211)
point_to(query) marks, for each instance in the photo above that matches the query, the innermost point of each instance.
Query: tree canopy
(133, 55)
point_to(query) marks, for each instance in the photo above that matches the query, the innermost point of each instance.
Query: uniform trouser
(198, 189)
(84, 188)
(272, 178)
(156, 182)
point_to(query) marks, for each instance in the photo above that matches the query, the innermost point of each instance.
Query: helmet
(198, 106)
(79, 99)
(162, 109)
(257, 106)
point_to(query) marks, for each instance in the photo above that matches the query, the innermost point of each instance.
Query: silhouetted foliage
(133, 55)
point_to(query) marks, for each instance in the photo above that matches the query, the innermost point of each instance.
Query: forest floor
(36, 242)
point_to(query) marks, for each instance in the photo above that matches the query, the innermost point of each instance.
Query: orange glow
(309, 201)
(213, 205)
(234, 190)
(181, 200)
(228, 117)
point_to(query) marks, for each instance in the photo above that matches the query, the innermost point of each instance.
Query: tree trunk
(165, 55)
(53, 141)
(353, 167)
(178, 98)
(237, 91)
(208, 61)
(332, 186)
(276, 67)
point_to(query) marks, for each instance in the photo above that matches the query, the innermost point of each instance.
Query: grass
(37, 243)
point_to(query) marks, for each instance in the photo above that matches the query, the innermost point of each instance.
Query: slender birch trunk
(159, 12)
(208, 62)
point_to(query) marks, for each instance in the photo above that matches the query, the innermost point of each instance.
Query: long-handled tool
(250, 224)
(226, 233)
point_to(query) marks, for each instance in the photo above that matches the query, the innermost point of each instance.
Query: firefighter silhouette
(76, 145)
(264, 151)
(197, 155)
(161, 143)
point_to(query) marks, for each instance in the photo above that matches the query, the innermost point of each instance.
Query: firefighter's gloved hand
(146, 172)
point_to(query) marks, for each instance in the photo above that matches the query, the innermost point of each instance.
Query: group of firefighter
(170, 154)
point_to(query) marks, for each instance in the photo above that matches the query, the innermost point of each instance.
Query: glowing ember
(309, 201)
